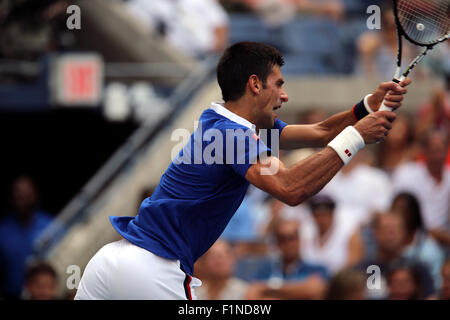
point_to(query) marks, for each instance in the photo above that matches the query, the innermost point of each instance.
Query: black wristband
(359, 110)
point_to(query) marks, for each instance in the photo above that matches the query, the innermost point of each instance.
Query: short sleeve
(243, 148)
(272, 136)
(279, 125)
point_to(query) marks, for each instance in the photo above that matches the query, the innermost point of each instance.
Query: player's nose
(284, 97)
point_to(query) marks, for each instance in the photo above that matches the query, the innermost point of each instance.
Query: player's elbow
(324, 135)
(294, 196)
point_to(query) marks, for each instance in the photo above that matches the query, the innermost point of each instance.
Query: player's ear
(254, 84)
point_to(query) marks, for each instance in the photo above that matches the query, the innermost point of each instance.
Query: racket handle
(383, 106)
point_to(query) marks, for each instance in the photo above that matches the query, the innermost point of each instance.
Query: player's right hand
(375, 127)
(389, 92)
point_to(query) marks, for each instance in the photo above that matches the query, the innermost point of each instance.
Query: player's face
(270, 99)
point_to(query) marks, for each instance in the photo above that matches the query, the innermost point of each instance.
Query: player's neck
(241, 108)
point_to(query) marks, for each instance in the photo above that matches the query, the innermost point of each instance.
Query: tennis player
(196, 198)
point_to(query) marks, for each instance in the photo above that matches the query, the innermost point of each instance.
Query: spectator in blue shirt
(286, 276)
(418, 244)
(18, 231)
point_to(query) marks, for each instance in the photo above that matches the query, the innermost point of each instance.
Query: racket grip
(383, 106)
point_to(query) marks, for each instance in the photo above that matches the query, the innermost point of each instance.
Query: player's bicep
(268, 174)
(302, 136)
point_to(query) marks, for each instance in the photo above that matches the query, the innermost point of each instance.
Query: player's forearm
(315, 135)
(310, 175)
(335, 124)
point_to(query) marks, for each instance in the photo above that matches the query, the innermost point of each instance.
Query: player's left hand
(391, 92)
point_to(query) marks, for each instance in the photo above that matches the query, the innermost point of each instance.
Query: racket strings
(424, 21)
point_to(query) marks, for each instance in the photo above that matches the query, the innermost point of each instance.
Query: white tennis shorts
(123, 271)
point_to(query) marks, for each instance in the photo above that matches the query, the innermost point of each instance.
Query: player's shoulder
(210, 119)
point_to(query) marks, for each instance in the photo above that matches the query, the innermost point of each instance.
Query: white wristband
(347, 144)
(366, 103)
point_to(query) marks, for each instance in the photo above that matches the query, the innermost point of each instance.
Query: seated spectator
(249, 254)
(285, 275)
(331, 9)
(389, 235)
(430, 183)
(404, 283)
(331, 244)
(398, 147)
(347, 284)
(218, 283)
(276, 13)
(245, 229)
(41, 282)
(18, 232)
(354, 186)
(445, 290)
(195, 27)
(434, 114)
(418, 244)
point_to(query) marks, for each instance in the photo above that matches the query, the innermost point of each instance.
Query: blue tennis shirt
(200, 190)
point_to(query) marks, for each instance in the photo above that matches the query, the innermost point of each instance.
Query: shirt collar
(220, 109)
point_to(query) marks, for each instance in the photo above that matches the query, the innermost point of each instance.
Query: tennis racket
(424, 23)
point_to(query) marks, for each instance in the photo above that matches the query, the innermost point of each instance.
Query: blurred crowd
(379, 230)
(319, 37)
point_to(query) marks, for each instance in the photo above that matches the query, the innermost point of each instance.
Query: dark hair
(345, 283)
(424, 140)
(413, 216)
(413, 269)
(242, 60)
(39, 268)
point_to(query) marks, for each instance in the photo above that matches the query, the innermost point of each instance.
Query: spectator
(430, 183)
(331, 244)
(445, 291)
(404, 283)
(195, 27)
(331, 9)
(389, 235)
(40, 282)
(245, 229)
(347, 284)
(276, 13)
(418, 244)
(249, 254)
(286, 275)
(353, 189)
(434, 113)
(399, 146)
(18, 232)
(217, 266)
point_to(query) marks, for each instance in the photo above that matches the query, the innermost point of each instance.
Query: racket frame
(401, 33)
(399, 76)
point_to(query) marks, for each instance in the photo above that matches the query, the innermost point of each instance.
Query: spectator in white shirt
(430, 183)
(216, 267)
(195, 27)
(330, 243)
(360, 190)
